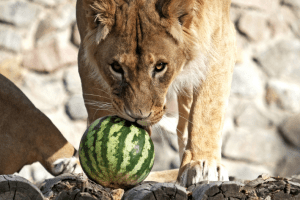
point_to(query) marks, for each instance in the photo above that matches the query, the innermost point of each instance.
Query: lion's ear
(100, 15)
(176, 15)
(180, 10)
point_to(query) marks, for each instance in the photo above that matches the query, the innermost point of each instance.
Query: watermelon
(116, 153)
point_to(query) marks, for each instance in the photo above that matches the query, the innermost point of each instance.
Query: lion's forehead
(142, 40)
(131, 59)
(137, 20)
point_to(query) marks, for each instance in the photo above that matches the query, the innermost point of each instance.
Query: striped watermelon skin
(116, 153)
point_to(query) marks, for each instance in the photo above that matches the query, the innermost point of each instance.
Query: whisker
(97, 96)
(102, 91)
(89, 102)
(107, 109)
(98, 105)
(180, 115)
(102, 107)
(95, 112)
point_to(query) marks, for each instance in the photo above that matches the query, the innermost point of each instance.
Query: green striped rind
(114, 153)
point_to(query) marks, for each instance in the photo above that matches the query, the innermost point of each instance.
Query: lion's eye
(117, 68)
(160, 67)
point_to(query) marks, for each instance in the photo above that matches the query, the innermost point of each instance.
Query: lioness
(135, 54)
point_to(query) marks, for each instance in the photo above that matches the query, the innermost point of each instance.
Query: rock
(35, 172)
(232, 189)
(294, 3)
(10, 39)
(263, 189)
(25, 172)
(72, 80)
(71, 130)
(227, 129)
(39, 173)
(246, 81)
(152, 191)
(251, 117)
(243, 170)
(289, 164)
(16, 187)
(74, 186)
(207, 190)
(254, 26)
(51, 53)
(264, 176)
(235, 14)
(19, 13)
(255, 145)
(58, 20)
(165, 133)
(254, 4)
(170, 157)
(10, 67)
(216, 190)
(291, 130)
(75, 108)
(291, 16)
(117, 194)
(48, 3)
(45, 92)
(282, 59)
(168, 126)
(75, 35)
(284, 95)
(165, 140)
(275, 187)
(279, 23)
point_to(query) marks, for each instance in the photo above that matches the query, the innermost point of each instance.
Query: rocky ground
(38, 52)
(79, 187)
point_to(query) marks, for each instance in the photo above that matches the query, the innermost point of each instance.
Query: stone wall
(38, 51)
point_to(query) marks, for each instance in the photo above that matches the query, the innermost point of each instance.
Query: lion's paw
(201, 170)
(66, 165)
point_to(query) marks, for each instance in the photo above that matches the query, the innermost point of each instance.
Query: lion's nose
(139, 114)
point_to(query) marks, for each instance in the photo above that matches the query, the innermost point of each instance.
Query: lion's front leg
(184, 106)
(201, 158)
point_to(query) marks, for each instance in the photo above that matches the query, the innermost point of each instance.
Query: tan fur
(197, 41)
(27, 135)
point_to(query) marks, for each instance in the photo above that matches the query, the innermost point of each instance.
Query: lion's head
(140, 50)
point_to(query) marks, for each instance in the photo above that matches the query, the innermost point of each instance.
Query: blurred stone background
(38, 51)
